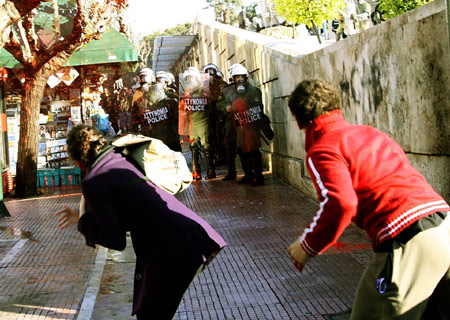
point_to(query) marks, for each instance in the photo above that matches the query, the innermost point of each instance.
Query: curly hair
(84, 143)
(311, 99)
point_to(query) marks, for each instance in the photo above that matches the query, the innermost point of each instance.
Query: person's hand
(298, 255)
(66, 217)
(82, 206)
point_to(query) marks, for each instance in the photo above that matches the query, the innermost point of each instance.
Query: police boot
(231, 167)
(196, 171)
(256, 159)
(196, 175)
(211, 166)
(247, 167)
(211, 174)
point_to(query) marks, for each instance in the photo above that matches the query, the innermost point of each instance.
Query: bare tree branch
(56, 15)
(8, 15)
(24, 7)
(28, 24)
(13, 11)
(26, 48)
(13, 46)
(144, 49)
(124, 27)
(85, 27)
(91, 20)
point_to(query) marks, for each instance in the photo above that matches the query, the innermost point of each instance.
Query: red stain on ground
(344, 247)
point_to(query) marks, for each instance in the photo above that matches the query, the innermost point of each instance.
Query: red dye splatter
(344, 247)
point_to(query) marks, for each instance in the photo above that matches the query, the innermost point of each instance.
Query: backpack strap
(100, 156)
(136, 180)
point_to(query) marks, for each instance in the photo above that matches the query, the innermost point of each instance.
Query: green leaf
(393, 8)
(308, 11)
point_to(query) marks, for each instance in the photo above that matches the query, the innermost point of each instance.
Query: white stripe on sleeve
(324, 192)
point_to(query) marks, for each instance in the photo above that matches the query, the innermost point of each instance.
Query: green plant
(309, 12)
(394, 8)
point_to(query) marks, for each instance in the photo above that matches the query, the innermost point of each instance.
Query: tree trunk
(26, 179)
(316, 32)
(293, 30)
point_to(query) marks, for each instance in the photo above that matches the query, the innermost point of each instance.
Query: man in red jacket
(362, 176)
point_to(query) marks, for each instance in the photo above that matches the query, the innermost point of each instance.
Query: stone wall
(394, 76)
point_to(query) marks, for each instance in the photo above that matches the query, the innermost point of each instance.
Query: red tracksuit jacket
(361, 175)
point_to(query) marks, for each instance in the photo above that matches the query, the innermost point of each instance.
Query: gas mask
(211, 73)
(240, 88)
(156, 93)
(240, 85)
(162, 81)
(239, 82)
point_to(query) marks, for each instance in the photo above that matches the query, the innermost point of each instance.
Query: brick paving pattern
(253, 278)
(44, 272)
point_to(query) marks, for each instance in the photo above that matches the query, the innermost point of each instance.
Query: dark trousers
(251, 163)
(230, 147)
(197, 148)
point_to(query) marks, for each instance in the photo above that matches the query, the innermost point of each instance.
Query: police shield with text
(153, 114)
(145, 78)
(246, 109)
(194, 119)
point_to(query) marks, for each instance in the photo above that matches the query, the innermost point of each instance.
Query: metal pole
(3, 210)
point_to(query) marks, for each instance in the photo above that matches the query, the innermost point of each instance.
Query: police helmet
(171, 78)
(162, 75)
(212, 67)
(233, 66)
(191, 74)
(238, 70)
(146, 75)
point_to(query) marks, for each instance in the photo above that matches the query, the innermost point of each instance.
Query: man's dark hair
(311, 99)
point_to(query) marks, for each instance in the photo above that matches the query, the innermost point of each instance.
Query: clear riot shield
(193, 101)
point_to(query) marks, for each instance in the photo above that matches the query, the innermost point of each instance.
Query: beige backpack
(164, 167)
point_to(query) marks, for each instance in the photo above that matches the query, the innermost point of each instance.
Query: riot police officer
(145, 78)
(171, 102)
(246, 109)
(165, 78)
(229, 134)
(217, 118)
(153, 114)
(194, 119)
(172, 83)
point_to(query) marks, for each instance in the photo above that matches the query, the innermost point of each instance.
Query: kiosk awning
(113, 47)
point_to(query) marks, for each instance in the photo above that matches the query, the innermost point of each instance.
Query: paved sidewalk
(50, 274)
(43, 271)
